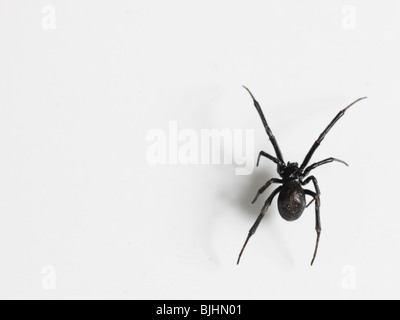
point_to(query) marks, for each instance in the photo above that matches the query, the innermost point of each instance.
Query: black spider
(292, 196)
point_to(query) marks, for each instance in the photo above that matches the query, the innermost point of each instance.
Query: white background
(83, 214)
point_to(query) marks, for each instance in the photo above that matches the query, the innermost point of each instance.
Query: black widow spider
(292, 196)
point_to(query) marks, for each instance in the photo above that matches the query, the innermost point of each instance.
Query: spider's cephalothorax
(290, 171)
(292, 196)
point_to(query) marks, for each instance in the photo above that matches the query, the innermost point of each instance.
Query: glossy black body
(292, 195)
(291, 200)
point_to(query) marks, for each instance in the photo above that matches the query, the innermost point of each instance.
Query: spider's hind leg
(317, 220)
(317, 190)
(261, 215)
(264, 187)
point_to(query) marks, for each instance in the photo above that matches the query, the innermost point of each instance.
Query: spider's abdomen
(291, 201)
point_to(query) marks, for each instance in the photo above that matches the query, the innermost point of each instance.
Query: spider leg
(323, 134)
(315, 182)
(272, 158)
(264, 187)
(317, 220)
(320, 163)
(267, 128)
(255, 226)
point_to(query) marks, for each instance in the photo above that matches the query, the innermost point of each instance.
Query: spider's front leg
(317, 219)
